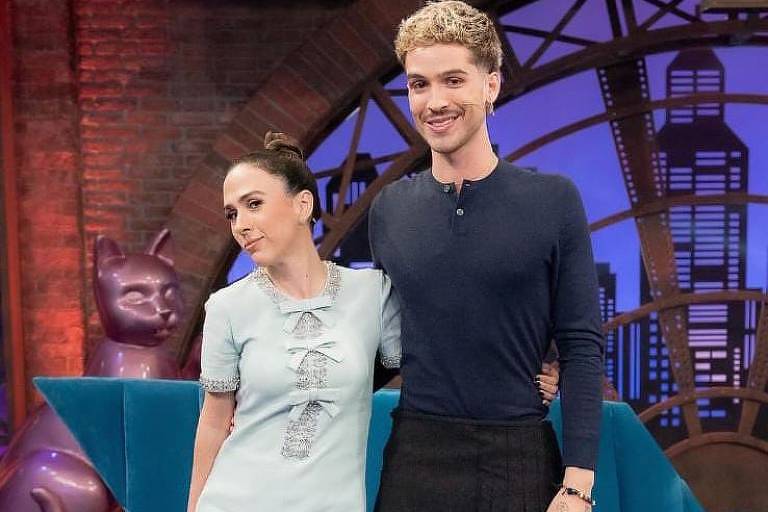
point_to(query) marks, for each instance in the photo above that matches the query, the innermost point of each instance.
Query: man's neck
(473, 161)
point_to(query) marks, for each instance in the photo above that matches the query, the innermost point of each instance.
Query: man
(490, 262)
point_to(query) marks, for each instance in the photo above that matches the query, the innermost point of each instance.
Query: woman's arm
(212, 430)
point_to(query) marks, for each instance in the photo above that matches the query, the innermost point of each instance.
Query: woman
(288, 353)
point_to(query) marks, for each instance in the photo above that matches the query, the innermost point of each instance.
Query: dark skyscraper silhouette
(700, 155)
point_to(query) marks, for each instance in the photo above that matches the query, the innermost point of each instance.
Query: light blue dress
(302, 371)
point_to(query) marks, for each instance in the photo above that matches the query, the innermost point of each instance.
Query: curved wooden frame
(683, 299)
(731, 198)
(639, 108)
(716, 438)
(639, 44)
(741, 438)
(714, 392)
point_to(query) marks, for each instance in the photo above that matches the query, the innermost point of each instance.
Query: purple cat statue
(138, 300)
(139, 305)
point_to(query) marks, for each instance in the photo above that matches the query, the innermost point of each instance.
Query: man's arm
(579, 338)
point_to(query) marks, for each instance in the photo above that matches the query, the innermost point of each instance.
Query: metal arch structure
(615, 114)
(620, 66)
(627, 45)
(666, 203)
(714, 392)
(682, 299)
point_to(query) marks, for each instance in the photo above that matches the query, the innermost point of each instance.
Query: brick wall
(157, 82)
(117, 103)
(127, 112)
(47, 151)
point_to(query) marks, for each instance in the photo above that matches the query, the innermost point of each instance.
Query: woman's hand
(547, 382)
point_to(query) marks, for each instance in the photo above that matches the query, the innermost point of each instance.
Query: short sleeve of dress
(219, 356)
(390, 350)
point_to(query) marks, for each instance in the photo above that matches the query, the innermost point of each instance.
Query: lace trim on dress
(391, 361)
(309, 326)
(297, 443)
(220, 385)
(312, 371)
(331, 288)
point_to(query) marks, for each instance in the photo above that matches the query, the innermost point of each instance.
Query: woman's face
(266, 220)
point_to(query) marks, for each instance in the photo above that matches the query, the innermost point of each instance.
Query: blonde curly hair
(451, 21)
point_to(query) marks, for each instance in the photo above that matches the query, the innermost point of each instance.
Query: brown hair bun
(282, 156)
(284, 144)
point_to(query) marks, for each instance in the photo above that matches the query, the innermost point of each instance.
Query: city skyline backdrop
(589, 157)
(721, 336)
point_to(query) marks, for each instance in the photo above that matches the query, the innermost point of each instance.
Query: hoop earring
(489, 108)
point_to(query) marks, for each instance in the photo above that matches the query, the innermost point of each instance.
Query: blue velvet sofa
(140, 435)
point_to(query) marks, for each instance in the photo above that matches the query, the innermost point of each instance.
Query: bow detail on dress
(325, 397)
(318, 306)
(298, 350)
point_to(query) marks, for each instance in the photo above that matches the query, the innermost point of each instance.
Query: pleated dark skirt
(441, 464)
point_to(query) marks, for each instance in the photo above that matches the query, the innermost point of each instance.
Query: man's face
(448, 94)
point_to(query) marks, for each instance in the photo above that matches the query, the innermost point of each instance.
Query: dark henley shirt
(486, 279)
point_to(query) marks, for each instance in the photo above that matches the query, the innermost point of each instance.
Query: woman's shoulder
(357, 278)
(233, 292)
(360, 274)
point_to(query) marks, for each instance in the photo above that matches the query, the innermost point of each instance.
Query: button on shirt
(486, 278)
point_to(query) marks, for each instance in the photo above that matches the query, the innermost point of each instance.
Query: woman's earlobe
(309, 205)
